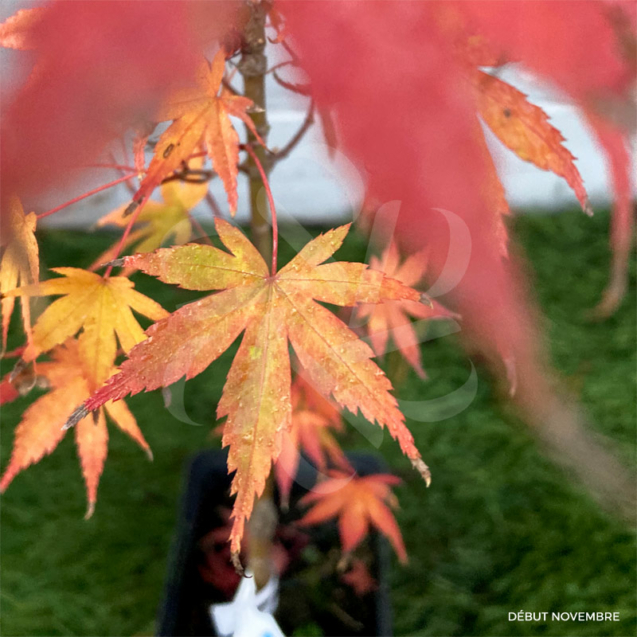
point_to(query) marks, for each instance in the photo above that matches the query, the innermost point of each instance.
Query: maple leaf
(101, 308)
(358, 502)
(359, 578)
(271, 310)
(41, 428)
(15, 31)
(525, 129)
(313, 416)
(200, 113)
(19, 265)
(392, 318)
(159, 222)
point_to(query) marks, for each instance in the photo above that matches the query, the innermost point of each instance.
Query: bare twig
(280, 65)
(214, 206)
(301, 89)
(292, 144)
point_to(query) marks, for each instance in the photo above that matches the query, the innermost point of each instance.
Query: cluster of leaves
(268, 418)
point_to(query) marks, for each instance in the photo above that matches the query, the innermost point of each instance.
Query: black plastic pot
(206, 486)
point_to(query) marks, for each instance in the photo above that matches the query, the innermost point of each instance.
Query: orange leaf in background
(15, 31)
(358, 502)
(41, 428)
(495, 196)
(19, 265)
(312, 418)
(159, 222)
(271, 310)
(593, 60)
(101, 308)
(392, 318)
(525, 129)
(359, 578)
(201, 113)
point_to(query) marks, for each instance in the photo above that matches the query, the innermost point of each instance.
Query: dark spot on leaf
(169, 149)
(507, 112)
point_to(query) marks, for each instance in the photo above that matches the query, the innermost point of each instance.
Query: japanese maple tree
(403, 101)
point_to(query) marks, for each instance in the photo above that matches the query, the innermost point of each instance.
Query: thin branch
(281, 65)
(268, 192)
(122, 242)
(114, 166)
(214, 206)
(301, 89)
(291, 51)
(194, 176)
(291, 145)
(86, 194)
(200, 229)
(122, 170)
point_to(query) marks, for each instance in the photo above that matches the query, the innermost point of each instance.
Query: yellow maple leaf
(101, 308)
(159, 223)
(19, 265)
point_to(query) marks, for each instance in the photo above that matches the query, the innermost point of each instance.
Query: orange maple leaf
(313, 416)
(359, 578)
(272, 310)
(392, 318)
(159, 223)
(15, 31)
(19, 265)
(101, 308)
(202, 112)
(525, 129)
(358, 502)
(41, 428)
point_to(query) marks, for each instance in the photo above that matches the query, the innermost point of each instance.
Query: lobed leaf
(271, 311)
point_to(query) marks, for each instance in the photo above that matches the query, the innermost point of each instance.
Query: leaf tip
(130, 209)
(419, 465)
(115, 263)
(78, 414)
(90, 510)
(235, 558)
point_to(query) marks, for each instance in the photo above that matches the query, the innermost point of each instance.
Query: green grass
(501, 529)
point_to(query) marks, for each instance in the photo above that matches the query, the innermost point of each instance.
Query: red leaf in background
(99, 68)
(313, 419)
(391, 77)
(589, 51)
(428, 157)
(8, 392)
(359, 578)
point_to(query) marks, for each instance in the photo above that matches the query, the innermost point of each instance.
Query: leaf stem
(268, 192)
(131, 223)
(114, 166)
(200, 229)
(85, 195)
